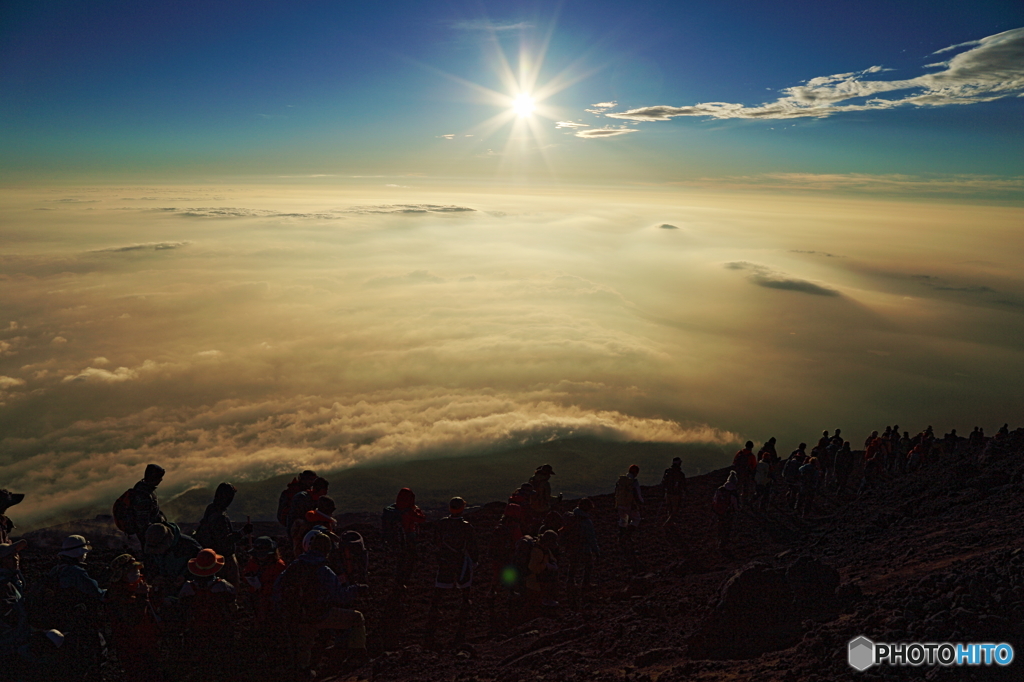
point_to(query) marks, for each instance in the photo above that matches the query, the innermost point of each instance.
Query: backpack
(791, 472)
(284, 503)
(124, 517)
(47, 603)
(207, 609)
(571, 532)
(624, 491)
(721, 503)
(521, 555)
(672, 481)
(391, 527)
(303, 598)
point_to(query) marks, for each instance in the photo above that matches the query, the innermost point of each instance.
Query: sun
(524, 105)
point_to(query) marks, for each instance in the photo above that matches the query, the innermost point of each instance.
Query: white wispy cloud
(486, 25)
(867, 182)
(607, 131)
(991, 70)
(571, 124)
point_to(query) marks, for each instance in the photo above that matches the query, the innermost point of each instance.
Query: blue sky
(324, 87)
(247, 238)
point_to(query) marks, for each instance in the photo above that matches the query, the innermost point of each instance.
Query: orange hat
(206, 563)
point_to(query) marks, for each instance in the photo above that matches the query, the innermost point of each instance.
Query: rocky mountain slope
(932, 556)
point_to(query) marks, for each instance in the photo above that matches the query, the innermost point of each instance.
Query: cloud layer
(445, 322)
(992, 69)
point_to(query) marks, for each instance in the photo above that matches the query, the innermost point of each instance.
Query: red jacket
(744, 462)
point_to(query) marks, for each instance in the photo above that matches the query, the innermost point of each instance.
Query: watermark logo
(862, 653)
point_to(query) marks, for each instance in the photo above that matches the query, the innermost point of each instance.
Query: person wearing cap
(260, 574)
(143, 504)
(70, 571)
(133, 625)
(7, 500)
(208, 600)
(304, 502)
(350, 560)
(456, 558)
(14, 625)
(673, 483)
(312, 599)
(540, 502)
(167, 555)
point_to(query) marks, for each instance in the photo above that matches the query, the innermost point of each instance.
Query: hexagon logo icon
(861, 653)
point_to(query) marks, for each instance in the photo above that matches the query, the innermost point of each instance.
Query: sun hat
(159, 538)
(206, 563)
(74, 547)
(120, 566)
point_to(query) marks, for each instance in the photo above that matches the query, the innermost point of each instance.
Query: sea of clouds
(246, 331)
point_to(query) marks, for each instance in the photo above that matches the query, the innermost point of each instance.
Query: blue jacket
(336, 593)
(14, 628)
(74, 576)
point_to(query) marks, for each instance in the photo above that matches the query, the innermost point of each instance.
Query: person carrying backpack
(456, 558)
(350, 558)
(167, 555)
(7, 500)
(540, 501)
(311, 599)
(208, 601)
(133, 623)
(579, 539)
(673, 483)
(628, 505)
(216, 532)
(300, 483)
(725, 503)
(138, 508)
(400, 526)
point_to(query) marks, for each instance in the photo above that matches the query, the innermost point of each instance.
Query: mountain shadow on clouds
(764, 276)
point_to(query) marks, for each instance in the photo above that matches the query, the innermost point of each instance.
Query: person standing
(143, 505)
(629, 503)
(743, 463)
(673, 483)
(457, 557)
(725, 503)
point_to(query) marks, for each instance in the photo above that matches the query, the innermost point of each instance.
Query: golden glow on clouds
(244, 331)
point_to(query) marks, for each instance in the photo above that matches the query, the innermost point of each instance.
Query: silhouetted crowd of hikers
(171, 610)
